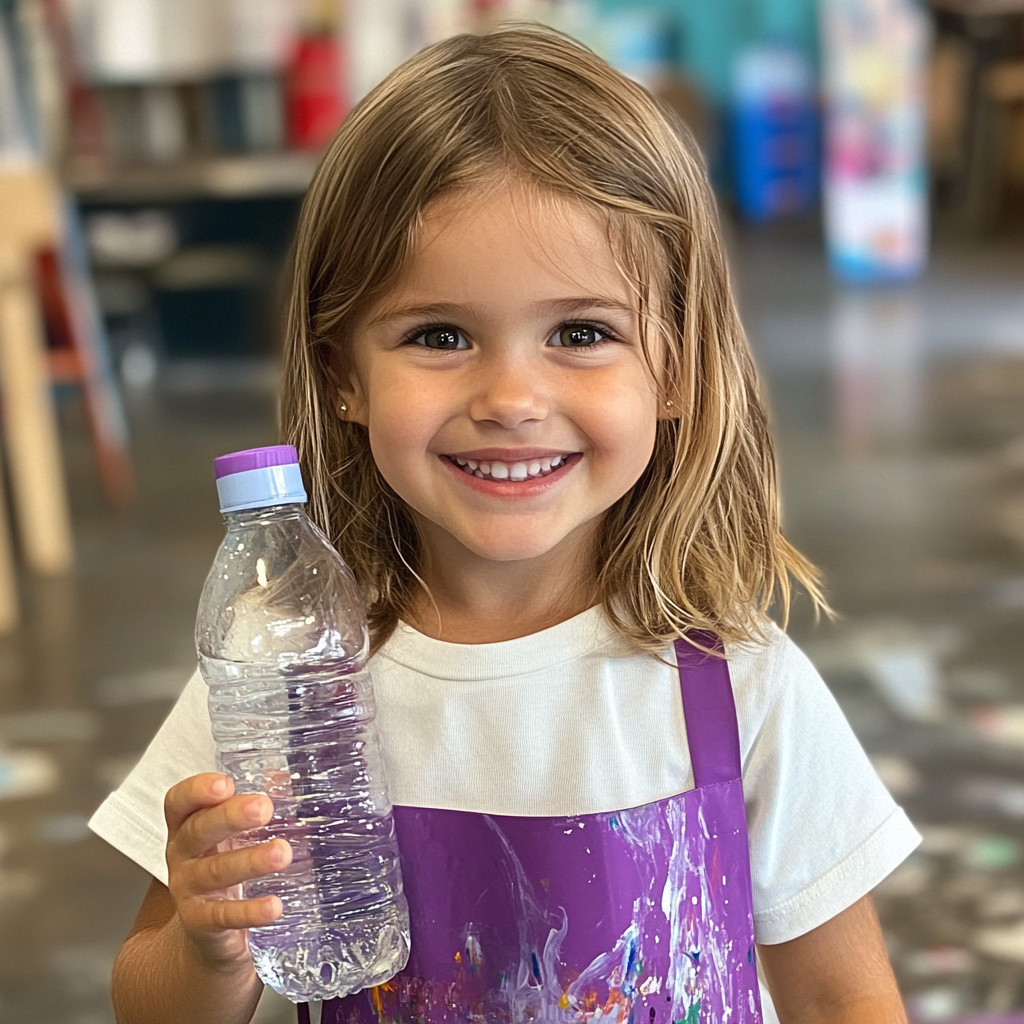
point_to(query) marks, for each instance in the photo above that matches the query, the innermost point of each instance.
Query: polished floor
(900, 421)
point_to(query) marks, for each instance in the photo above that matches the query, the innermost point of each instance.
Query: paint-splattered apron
(638, 916)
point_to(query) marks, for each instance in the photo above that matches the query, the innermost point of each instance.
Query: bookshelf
(247, 176)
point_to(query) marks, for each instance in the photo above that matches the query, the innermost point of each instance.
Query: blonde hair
(696, 543)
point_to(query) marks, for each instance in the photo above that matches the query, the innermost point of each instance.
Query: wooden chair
(1005, 88)
(78, 353)
(29, 221)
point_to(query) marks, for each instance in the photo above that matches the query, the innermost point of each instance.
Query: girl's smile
(512, 473)
(503, 381)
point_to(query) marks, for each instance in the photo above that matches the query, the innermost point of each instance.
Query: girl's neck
(479, 601)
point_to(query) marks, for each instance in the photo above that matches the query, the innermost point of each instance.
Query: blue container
(775, 132)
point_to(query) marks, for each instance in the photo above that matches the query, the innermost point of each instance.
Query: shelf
(980, 8)
(220, 177)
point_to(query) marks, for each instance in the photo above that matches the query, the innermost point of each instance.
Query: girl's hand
(202, 816)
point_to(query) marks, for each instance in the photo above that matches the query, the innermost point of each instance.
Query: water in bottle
(282, 643)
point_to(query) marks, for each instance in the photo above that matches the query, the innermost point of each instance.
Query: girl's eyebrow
(568, 306)
(442, 310)
(431, 311)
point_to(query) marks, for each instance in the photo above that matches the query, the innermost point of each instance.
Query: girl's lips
(515, 479)
(510, 455)
(521, 468)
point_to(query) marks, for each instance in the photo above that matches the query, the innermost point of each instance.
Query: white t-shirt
(568, 721)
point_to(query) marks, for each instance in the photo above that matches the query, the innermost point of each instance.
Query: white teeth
(517, 471)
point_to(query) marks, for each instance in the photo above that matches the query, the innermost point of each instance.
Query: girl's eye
(578, 336)
(444, 338)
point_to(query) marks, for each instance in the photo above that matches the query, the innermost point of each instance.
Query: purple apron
(638, 916)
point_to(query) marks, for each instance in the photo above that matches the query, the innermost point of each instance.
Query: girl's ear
(668, 409)
(350, 402)
(349, 398)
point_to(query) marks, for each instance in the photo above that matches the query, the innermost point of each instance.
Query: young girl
(529, 419)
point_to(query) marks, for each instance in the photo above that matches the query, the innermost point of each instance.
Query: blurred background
(869, 158)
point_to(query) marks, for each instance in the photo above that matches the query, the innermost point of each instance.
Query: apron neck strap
(710, 711)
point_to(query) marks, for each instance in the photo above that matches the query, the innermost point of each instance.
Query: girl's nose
(509, 393)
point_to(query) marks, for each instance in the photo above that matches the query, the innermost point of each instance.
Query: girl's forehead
(513, 235)
(512, 202)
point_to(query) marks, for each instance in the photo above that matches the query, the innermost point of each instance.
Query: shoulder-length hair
(696, 543)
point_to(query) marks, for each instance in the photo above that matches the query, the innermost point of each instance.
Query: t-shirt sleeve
(132, 817)
(823, 829)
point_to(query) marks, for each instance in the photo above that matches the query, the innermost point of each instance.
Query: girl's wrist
(234, 960)
(161, 976)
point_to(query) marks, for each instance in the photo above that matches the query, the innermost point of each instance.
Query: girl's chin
(506, 547)
(504, 539)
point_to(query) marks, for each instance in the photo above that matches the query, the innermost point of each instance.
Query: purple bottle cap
(259, 478)
(255, 458)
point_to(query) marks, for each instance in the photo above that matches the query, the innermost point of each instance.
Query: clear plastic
(282, 643)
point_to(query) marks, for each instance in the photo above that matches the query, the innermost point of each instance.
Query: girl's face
(502, 380)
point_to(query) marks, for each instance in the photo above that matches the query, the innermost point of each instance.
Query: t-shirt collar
(571, 639)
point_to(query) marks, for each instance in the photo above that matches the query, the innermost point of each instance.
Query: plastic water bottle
(282, 643)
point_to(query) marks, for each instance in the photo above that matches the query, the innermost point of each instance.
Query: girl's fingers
(203, 875)
(200, 916)
(193, 794)
(202, 812)
(204, 829)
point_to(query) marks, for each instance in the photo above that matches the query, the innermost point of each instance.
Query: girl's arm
(158, 977)
(186, 959)
(838, 973)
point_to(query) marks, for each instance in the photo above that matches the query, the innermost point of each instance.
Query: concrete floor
(900, 420)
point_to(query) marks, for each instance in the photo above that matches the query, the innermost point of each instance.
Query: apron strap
(710, 711)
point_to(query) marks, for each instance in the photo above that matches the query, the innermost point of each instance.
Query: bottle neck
(246, 518)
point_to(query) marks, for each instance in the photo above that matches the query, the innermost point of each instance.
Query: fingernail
(219, 786)
(254, 807)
